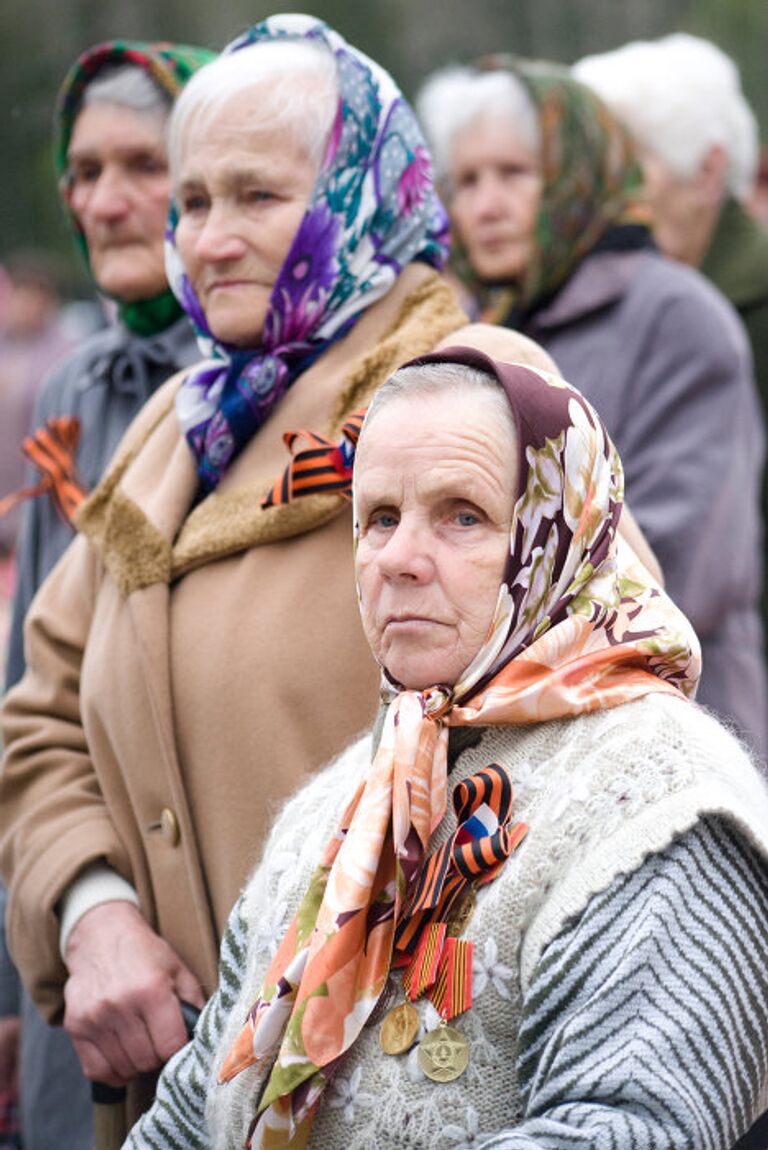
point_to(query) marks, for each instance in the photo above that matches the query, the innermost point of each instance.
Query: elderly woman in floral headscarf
(197, 653)
(530, 910)
(111, 164)
(546, 203)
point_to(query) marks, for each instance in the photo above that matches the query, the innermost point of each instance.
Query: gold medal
(444, 1053)
(400, 1029)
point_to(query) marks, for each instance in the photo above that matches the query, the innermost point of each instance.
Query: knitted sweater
(620, 997)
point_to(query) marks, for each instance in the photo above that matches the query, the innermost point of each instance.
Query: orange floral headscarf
(579, 626)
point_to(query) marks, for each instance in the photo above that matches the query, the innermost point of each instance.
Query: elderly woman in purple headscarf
(197, 653)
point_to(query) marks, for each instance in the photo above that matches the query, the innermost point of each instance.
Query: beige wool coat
(187, 669)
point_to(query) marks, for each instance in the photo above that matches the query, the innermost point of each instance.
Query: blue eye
(384, 520)
(467, 519)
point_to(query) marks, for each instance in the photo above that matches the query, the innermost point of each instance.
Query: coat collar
(600, 280)
(737, 259)
(139, 517)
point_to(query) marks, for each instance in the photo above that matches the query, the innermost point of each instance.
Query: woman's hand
(122, 997)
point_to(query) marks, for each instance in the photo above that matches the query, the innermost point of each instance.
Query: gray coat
(666, 362)
(104, 382)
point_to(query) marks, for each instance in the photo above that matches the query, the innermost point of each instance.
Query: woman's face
(118, 191)
(434, 492)
(241, 194)
(496, 187)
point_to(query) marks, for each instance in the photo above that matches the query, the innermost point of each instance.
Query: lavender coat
(666, 362)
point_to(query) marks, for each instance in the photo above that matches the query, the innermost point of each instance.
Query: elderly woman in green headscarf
(546, 202)
(111, 165)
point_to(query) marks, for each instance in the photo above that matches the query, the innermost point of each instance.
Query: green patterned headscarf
(591, 180)
(170, 66)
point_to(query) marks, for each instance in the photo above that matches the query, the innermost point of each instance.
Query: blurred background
(39, 39)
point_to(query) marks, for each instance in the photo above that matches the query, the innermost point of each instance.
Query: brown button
(169, 827)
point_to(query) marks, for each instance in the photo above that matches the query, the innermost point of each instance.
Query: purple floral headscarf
(372, 211)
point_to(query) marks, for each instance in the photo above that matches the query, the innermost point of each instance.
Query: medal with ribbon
(436, 962)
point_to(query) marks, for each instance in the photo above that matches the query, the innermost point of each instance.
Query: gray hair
(679, 96)
(128, 86)
(417, 380)
(304, 111)
(454, 98)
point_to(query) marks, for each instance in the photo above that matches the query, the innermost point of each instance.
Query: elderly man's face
(118, 190)
(241, 195)
(496, 186)
(434, 492)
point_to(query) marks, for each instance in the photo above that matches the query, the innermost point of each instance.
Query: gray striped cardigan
(621, 994)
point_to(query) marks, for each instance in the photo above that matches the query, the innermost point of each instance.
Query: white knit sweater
(601, 794)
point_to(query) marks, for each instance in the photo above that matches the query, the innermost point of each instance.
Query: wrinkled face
(434, 492)
(496, 187)
(675, 203)
(241, 195)
(119, 187)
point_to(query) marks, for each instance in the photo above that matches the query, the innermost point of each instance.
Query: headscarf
(591, 183)
(373, 210)
(579, 626)
(169, 66)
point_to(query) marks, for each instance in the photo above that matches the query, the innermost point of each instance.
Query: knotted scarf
(169, 66)
(373, 210)
(579, 626)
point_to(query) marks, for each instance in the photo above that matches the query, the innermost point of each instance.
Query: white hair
(416, 380)
(304, 111)
(679, 96)
(454, 98)
(128, 86)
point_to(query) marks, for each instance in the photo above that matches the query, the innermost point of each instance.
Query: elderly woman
(571, 950)
(114, 181)
(111, 162)
(200, 639)
(544, 195)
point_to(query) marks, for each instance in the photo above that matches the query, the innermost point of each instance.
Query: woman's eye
(149, 166)
(465, 181)
(384, 520)
(258, 196)
(84, 175)
(192, 203)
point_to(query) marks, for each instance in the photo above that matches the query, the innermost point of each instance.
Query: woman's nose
(408, 554)
(219, 237)
(488, 200)
(109, 197)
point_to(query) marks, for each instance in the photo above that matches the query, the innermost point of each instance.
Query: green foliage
(39, 39)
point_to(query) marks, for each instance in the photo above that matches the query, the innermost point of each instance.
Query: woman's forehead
(435, 434)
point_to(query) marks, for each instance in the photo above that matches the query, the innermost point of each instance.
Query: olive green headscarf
(170, 66)
(591, 181)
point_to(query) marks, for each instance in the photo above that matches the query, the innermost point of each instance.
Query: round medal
(444, 1053)
(399, 1029)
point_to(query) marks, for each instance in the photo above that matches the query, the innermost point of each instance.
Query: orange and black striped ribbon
(52, 449)
(324, 466)
(451, 993)
(465, 858)
(421, 972)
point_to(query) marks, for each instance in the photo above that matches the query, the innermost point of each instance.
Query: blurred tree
(39, 39)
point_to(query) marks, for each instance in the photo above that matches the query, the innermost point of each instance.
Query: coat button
(169, 827)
